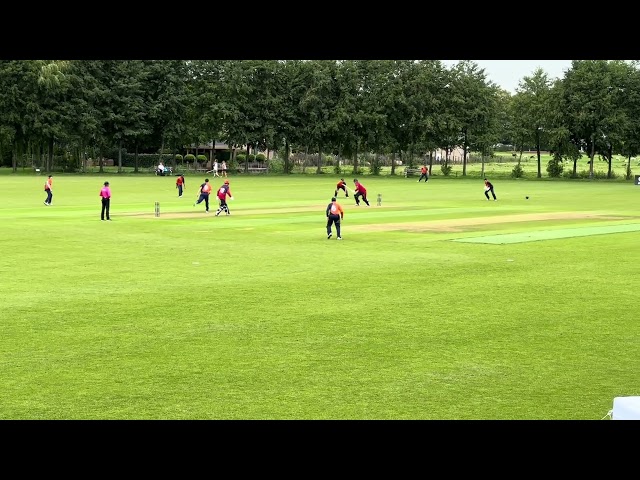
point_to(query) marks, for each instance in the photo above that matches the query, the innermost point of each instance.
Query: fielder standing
(48, 185)
(335, 214)
(180, 185)
(488, 187)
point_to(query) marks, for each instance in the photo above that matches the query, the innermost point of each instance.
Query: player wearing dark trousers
(105, 198)
(223, 192)
(48, 185)
(341, 185)
(205, 190)
(335, 214)
(180, 184)
(361, 192)
(424, 174)
(488, 187)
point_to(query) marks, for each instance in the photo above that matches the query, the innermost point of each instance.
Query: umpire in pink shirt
(105, 196)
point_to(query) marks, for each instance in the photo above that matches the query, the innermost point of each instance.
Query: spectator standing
(223, 167)
(105, 196)
(216, 166)
(205, 190)
(180, 184)
(48, 187)
(361, 192)
(223, 192)
(335, 214)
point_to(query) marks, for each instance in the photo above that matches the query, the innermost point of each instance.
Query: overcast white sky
(508, 73)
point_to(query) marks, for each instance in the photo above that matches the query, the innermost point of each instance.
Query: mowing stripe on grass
(538, 235)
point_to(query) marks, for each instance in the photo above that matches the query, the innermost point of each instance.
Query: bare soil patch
(455, 225)
(196, 213)
(452, 225)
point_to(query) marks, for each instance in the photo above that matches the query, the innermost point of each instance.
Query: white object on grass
(626, 408)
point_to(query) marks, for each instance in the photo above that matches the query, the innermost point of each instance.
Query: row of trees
(402, 108)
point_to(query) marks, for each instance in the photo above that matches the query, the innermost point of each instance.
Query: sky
(508, 73)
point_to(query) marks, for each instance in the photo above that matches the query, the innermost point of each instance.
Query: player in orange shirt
(203, 195)
(424, 173)
(335, 214)
(48, 185)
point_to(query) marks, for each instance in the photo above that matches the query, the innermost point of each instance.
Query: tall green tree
(19, 100)
(473, 100)
(48, 122)
(591, 97)
(168, 103)
(531, 110)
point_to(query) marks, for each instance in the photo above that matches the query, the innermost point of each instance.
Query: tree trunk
(287, 160)
(246, 160)
(306, 155)
(135, 158)
(430, 162)
(319, 169)
(120, 157)
(465, 146)
(593, 154)
(355, 160)
(393, 163)
(609, 160)
(83, 157)
(538, 152)
(50, 156)
(14, 159)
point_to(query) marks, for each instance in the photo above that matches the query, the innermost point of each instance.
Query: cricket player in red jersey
(488, 187)
(360, 192)
(180, 184)
(223, 192)
(342, 185)
(335, 214)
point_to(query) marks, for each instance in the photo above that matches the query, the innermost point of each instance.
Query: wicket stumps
(157, 209)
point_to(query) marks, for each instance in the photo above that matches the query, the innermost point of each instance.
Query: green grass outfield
(258, 316)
